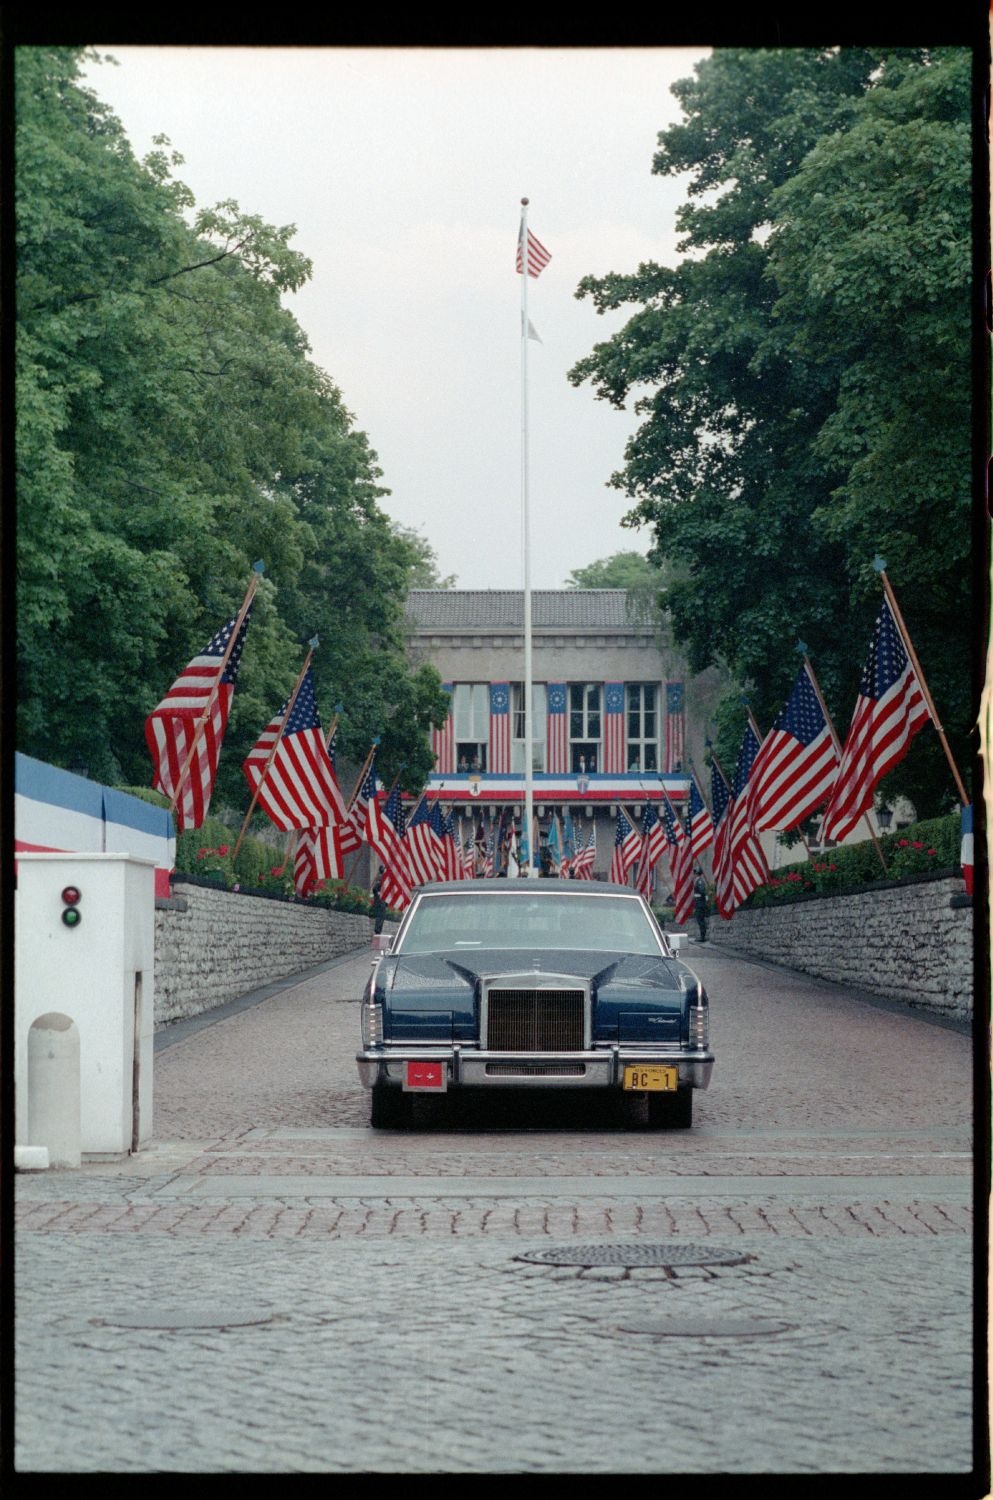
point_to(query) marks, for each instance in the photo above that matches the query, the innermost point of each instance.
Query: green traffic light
(71, 917)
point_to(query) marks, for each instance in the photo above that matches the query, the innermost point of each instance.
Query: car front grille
(536, 1070)
(528, 1020)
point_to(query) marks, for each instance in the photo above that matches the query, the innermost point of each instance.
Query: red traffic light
(71, 896)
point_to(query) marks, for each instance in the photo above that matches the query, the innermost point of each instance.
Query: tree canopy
(171, 429)
(803, 375)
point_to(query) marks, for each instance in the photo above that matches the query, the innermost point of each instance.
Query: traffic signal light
(71, 914)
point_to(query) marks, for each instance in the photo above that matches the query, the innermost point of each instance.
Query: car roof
(525, 887)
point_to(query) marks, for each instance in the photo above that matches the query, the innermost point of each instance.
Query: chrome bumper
(471, 1068)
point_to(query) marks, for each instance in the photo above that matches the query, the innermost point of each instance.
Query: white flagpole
(528, 774)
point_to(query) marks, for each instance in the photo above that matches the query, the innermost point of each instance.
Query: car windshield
(454, 922)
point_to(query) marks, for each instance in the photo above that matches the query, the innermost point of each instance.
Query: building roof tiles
(494, 609)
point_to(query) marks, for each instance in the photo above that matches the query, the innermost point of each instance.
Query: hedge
(206, 851)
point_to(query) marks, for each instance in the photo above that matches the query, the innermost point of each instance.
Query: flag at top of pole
(538, 256)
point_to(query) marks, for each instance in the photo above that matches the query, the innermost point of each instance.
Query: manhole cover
(701, 1328)
(634, 1256)
(180, 1318)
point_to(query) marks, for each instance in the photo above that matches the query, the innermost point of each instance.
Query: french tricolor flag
(967, 860)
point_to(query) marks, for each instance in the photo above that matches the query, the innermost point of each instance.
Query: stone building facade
(615, 721)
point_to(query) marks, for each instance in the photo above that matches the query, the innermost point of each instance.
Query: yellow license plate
(650, 1077)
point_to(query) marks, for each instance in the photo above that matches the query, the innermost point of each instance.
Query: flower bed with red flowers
(929, 847)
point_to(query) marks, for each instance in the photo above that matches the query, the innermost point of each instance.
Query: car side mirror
(675, 940)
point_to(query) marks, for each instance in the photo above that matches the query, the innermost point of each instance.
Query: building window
(471, 716)
(642, 726)
(584, 726)
(538, 710)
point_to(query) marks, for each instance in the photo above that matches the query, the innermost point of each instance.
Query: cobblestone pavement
(273, 1287)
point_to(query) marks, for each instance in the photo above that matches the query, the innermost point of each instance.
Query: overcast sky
(403, 170)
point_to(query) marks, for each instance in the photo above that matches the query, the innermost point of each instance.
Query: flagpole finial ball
(525, 202)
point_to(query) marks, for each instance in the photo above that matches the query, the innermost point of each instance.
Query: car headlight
(372, 1024)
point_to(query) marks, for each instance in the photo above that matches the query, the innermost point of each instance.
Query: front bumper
(469, 1067)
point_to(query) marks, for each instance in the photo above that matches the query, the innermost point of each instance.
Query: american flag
(680, 864)
(172, 725)
(499, 727)
(381, 835)
(675, 726)
(352, 831)
(749, 868)
(423, 846)
(701, 823)
(538, 256)
(613, 726)
(890, 710)
(582, 868)
(396, 881)
(443, 740)
(653, 842)
(299, 789)
(720, 796)
(797, 763)
(627, 847)
(488, 861)
(318, 857)
(469, 858)
(450, 848)
(558, 742)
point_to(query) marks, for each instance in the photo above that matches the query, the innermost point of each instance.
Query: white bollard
(53, 1089)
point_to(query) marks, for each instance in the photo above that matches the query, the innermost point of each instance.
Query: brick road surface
(274, 1287)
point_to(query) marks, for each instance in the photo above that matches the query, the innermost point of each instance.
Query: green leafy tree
(424, 572)
(793, 368)
(171, 428)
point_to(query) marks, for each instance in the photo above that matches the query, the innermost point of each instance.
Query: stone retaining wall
(213, 945)
(907, 941)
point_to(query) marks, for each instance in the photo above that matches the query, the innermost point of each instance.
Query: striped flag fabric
(627, 847)
(680, 864)
(318, 857)
(450, 861)
(720, 797)
(556, 728)
(396, 888)
(749, 867)
(795, 768)
(424, 855)
(675, 726)
(443, 740)
(381, 835)
(653, 843)
(297, 787)
(538, 256)
(582, 868)
(499, 727)
(490, 858)
(172, 725)
(701, 823)
(613, 728)
(469, 858)
(889, 711)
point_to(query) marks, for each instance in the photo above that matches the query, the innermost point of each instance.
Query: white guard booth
(91, 976)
